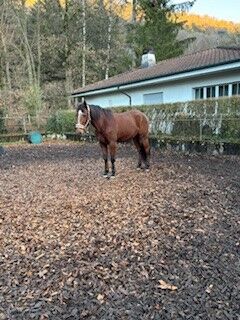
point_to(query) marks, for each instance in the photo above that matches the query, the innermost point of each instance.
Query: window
(198, 93)
(153, 98)
(236, 89)
(211, 92)
(223, 90)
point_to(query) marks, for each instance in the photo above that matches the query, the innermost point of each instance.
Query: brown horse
(113, 127)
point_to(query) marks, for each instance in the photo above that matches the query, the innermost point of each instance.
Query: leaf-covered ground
(162, 244)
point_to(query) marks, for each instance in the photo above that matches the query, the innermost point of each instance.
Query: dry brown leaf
(42, 273)
(209, 288)
(100, 298)
(23, 249)
(166, 286)
(70, 281)
(40, 256)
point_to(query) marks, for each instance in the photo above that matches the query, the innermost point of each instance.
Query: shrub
(61, 122)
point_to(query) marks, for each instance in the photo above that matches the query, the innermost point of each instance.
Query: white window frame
(218, 87)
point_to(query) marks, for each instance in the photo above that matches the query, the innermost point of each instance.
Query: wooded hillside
(207, 22)
(202, 22)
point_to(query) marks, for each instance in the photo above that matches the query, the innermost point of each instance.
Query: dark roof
(189, 62)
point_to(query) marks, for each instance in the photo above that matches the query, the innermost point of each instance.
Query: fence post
(24, 125)
(29, 121)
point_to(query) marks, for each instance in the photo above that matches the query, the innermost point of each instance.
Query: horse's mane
(97, 112)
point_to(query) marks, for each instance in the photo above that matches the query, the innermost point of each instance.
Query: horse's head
(83, 117)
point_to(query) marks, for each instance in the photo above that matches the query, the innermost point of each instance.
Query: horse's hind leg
(105, 158)
(138, 147)
(146, 147)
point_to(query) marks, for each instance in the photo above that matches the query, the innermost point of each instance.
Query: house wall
(175, 91)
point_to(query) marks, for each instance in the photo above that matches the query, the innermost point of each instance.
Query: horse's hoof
(105, 175)
(112, 177)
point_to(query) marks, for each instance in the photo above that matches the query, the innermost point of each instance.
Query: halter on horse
(111, 128)
(82, 127)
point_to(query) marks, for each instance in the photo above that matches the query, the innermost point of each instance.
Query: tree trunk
(134, 13)
(68, 71)
(7, 65)
(7, 79)
(38, 47)
(28, 51)
(109, 39)
(84, 44)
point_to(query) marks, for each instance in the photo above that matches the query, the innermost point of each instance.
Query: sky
(221, 9)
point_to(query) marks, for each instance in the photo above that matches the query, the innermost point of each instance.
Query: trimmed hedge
(201, 119)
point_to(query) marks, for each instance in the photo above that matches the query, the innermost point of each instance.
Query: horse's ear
(85, 103)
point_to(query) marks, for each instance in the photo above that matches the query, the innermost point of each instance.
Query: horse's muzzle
(79, 131)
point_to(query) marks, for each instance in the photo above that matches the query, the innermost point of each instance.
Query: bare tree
(109, 37)
(21, 17)
(68, 69)
(83, 43)
(4, 33)
(38, 47)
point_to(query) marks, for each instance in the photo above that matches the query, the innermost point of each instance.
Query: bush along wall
(211, 126)
(215, 120)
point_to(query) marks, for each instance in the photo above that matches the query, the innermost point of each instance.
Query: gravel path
(162, 244)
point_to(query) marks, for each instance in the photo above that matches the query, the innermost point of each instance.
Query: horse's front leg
(105, 158)
(112, 150)
(138, 147)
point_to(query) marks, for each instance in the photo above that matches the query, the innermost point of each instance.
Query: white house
(205, 74)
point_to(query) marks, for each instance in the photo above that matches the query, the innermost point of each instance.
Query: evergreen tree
(158, 29)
